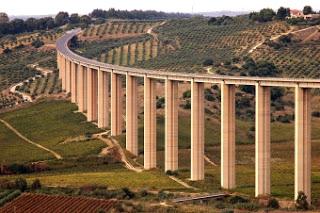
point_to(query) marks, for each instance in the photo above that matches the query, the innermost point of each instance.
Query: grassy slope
(51, 122)
(113, 177)
(13, 149)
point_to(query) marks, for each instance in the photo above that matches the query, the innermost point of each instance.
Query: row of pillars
(89, 88)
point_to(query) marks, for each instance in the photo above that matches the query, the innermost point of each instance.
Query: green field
(113, 177)
(50, 123)
(13, 149)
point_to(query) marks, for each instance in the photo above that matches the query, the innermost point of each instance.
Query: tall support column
(197, 131)
(171, 125)
(103, 99)
(262, 152)
(74, 82)
(64, 74)
(80, 89)
(228, 136)
(150, 123)
(59, 64)
(116, 104)
(68, 76)
(92, 87)
(132, 114)
(85, 88)
(302, 142)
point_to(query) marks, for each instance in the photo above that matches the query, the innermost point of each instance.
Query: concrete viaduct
(88, 82)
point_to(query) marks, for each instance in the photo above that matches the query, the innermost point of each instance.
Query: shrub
(207, 62)
(273, 203)
(128, 193)
(238, 199)
(187, 94)
(37, 43)
(21, 184)
(171, 173)
(36, 184)
(19, 168)
(9, 197)
(301, 202)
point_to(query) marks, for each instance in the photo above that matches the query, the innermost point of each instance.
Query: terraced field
(38, 203)
(114, 29)
(27, 39)
(183, 45)
(297, 60)
(42, 85)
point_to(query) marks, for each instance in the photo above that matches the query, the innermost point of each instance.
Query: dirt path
(154, 35)
(114, 144)
(182, 182)
(56, 155)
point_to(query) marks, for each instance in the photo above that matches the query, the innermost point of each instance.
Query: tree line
(282, 13)
(62, 18)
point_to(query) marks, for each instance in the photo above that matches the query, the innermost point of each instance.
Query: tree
(4, 18)
(21, 184)
(61, 18)
(85, 19)
(266, 15)
(37, 43)
(74, 18)
(307, 10)
(98, 13)
(283, 13)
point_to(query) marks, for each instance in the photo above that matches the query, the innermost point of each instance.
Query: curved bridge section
(88, 82)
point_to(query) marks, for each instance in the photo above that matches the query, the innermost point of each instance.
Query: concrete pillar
(171, 125)
(103, 99)
(262, 152)
(59, 64)
(132, 114)
(228, 136)
(85, 89)
(80, 88)
(92, 90)
(73, 82)
(197, 131)
(150, 124)
(68, 76)
(64, 72)
(116, 104)
(302, 157)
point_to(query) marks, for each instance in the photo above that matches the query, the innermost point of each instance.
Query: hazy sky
(41, 7)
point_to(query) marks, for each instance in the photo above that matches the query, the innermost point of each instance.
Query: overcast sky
(43, 7)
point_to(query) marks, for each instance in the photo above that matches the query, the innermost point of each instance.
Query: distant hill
(223, 13)
(25, 17)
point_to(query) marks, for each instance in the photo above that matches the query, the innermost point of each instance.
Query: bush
(19, 168)
(273, 203)
(238, 199)
(21, 184)
(172, 173)
(128, 193)
(9, 197)
(187, 94)
(36, 184)
(207, 62)
(37, 43)
(247, 206)
(301, 202)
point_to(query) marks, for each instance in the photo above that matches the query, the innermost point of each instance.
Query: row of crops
(118, 28)
(8, 101)
(42, 85)
(180, 45)
(200, 41)
(133, 53)
(297, 61)
(48, 37)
